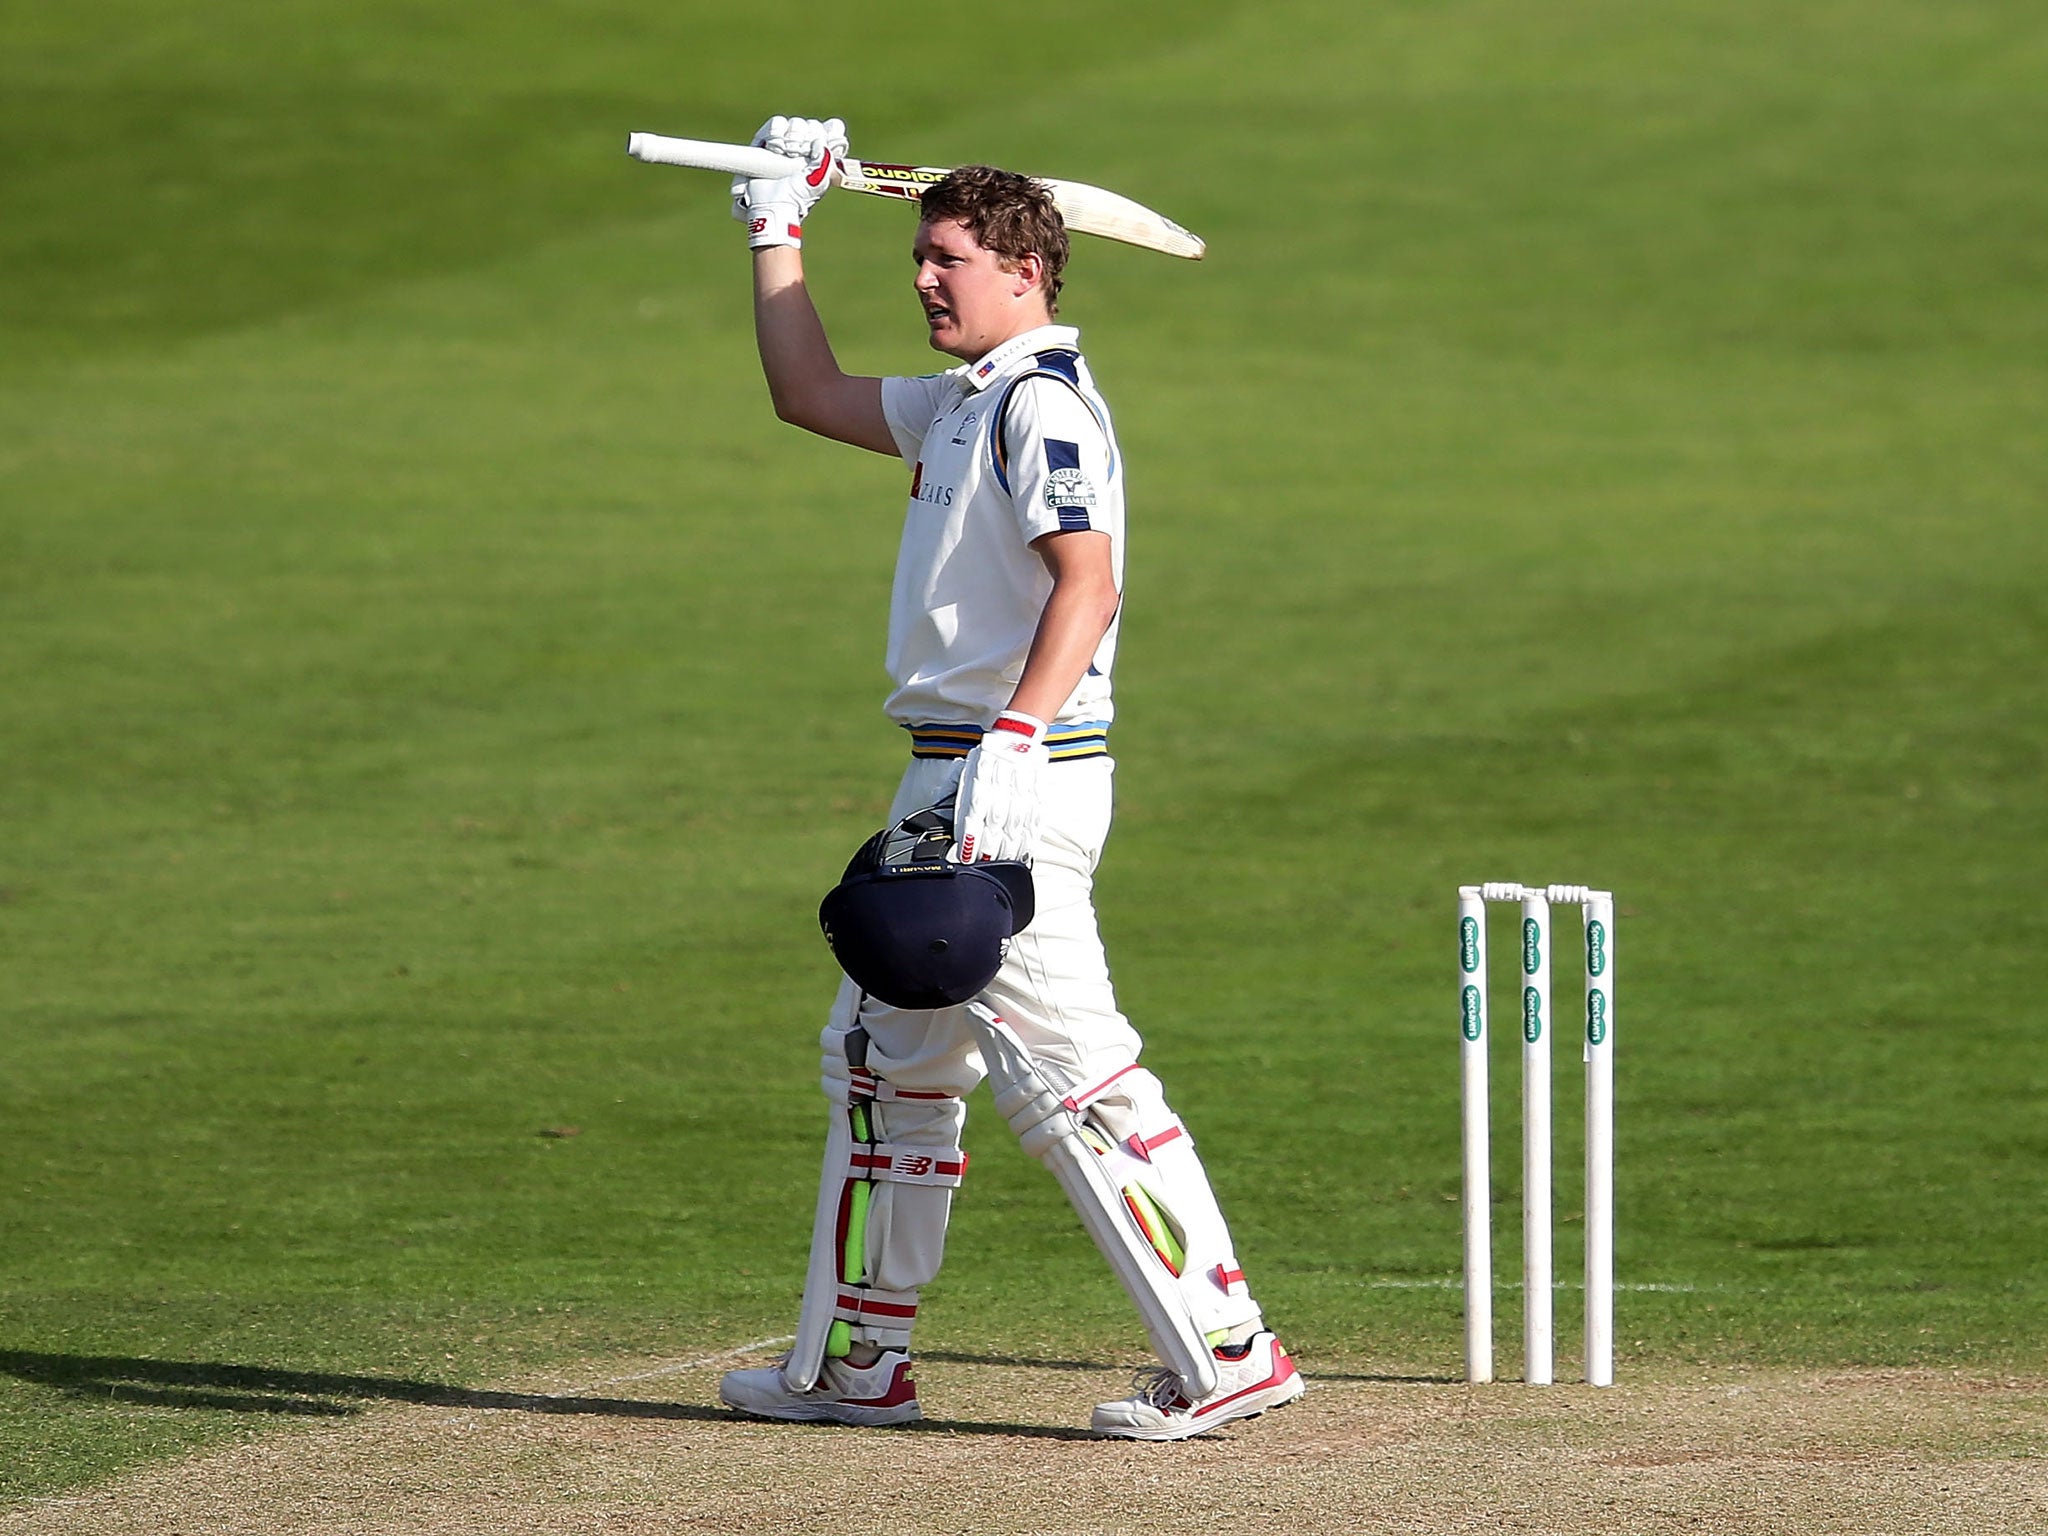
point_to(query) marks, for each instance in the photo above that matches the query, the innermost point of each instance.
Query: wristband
(1030, 727)
(772, 226)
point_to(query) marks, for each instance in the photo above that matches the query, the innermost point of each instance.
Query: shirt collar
(1004, 359)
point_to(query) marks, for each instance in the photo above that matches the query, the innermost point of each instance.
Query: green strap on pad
(853, 1257)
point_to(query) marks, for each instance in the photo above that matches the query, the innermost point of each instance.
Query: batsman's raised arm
(805, 381)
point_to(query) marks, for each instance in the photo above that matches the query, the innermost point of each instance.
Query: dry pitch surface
(641, 1451)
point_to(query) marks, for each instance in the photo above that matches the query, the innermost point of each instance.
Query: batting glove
(997, 815)
(774, 208)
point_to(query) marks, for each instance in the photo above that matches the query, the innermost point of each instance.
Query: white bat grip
(704, 155)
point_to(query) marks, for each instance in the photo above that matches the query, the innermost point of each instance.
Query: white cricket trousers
(1054, 990)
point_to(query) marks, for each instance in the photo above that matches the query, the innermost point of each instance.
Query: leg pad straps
(841, 1305)
(895, 1163)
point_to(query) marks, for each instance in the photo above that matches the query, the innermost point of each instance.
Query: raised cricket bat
(1089, 209)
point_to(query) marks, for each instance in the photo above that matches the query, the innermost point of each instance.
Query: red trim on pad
(1145, 1146)
(854, 1301)
(1081, 1096)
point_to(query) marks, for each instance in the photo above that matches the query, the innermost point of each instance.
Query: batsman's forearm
(1076, 617)
(804, 378)
(794, 349)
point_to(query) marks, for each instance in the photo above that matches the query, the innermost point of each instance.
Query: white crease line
(679, 1367)
(563, 1394)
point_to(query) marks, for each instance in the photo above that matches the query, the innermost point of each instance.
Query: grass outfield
(1601, 446)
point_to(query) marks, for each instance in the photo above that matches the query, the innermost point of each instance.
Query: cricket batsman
(1002, 644)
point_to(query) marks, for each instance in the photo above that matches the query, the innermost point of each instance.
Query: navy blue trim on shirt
(1062, 365)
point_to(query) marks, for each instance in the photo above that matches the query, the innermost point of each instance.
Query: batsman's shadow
(1018, 1362)
(1112, 1367)
(1383, 1380)
(220, 1387)
(255, 1389)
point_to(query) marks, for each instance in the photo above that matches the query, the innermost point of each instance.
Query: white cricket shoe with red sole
(1263, 1377)
(882, 1393)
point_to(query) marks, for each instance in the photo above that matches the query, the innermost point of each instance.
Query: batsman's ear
(1029, 273)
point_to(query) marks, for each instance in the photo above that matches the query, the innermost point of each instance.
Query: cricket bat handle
(704, 155)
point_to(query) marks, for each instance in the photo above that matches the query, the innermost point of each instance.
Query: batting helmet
(916, 928)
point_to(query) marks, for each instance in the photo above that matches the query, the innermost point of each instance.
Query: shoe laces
(1160, 1387)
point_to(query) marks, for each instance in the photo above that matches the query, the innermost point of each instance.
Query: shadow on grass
(224, 1388)
(312, 1394)
(945, 1356)
(1021, 1362)
(1383, 1380)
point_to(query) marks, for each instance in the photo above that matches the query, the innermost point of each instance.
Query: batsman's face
(971, 303)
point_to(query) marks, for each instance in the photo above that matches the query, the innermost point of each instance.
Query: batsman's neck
(982, 347)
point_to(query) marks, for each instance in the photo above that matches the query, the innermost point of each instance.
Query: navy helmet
(915, 927)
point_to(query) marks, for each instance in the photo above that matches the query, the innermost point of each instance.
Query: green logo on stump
(1532, 1015)
(1532, 946)
(1596, 1018)
(1468, 944)
(1596, 949)
(1474, 1021)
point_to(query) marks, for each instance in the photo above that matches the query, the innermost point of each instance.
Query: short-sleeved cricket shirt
(1002, 451)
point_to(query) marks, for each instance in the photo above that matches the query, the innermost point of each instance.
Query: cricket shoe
(882, 1393)
(1247, 1384)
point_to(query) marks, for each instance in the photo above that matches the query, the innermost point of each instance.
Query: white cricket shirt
(969, 587)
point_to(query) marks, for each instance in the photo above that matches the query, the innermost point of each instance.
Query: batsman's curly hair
(1009, 214)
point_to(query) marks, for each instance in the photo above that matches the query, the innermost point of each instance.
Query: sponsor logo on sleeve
(1069, 488)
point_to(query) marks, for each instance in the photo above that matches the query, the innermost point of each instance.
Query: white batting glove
(997, 813)
(774, 208)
